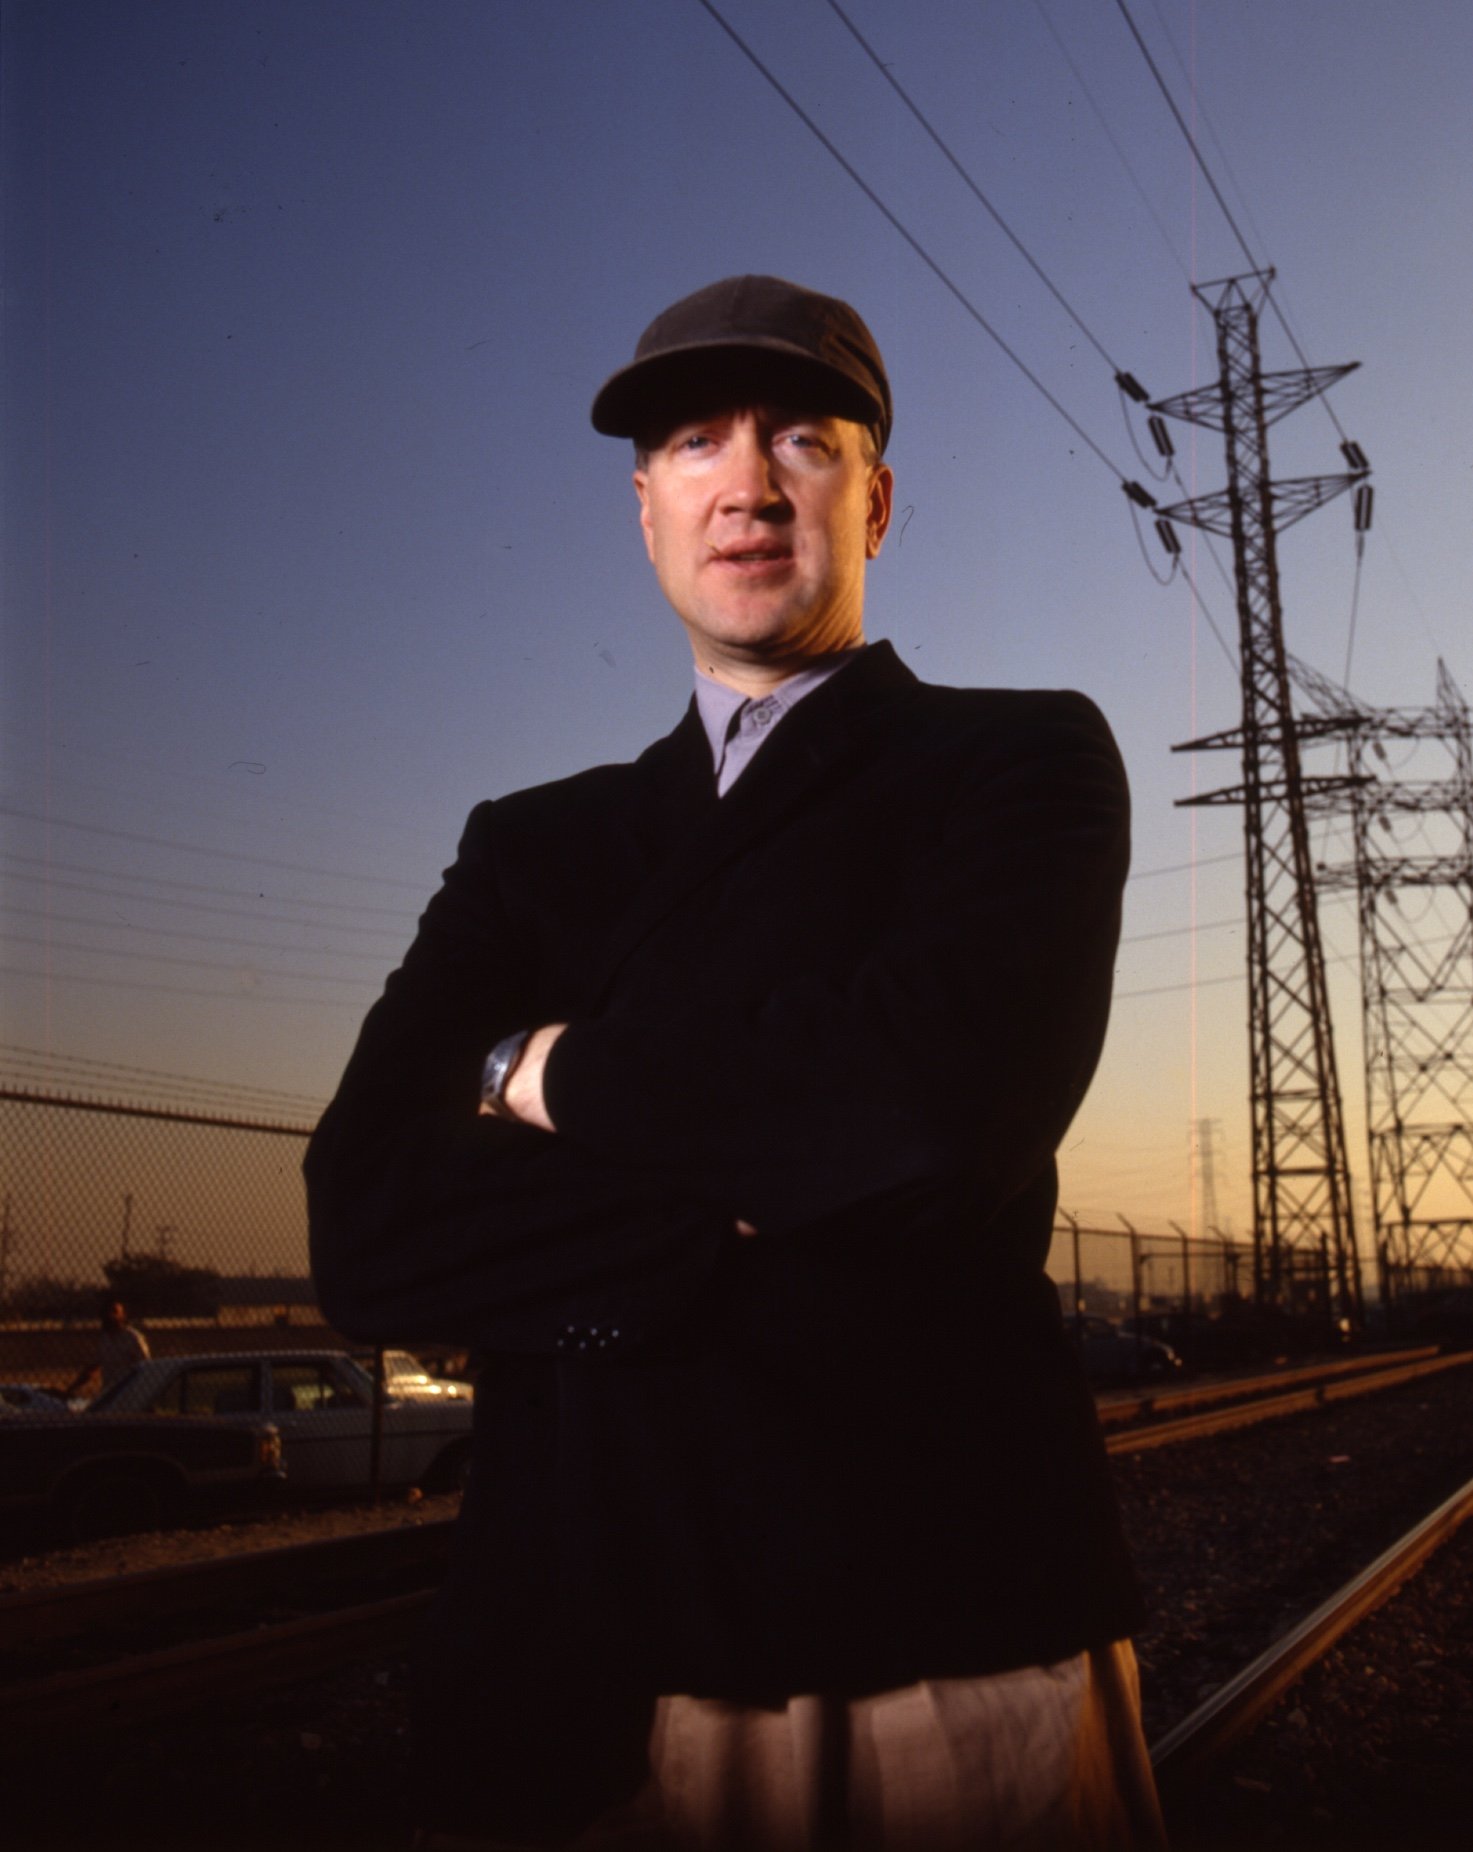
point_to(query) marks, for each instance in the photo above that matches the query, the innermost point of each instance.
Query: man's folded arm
(429, 1221)
(956, 1052)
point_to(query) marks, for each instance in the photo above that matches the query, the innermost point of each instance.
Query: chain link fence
(1127, 1292)
(153, 1270)
(130, 1229)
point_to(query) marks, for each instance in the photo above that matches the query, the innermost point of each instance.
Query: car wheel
(115, 1503)
(452, 1469)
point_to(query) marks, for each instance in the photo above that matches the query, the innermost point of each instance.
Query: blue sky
(309, 545)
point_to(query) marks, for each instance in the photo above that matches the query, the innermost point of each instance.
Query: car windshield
(109, 1396)
(400, 1363)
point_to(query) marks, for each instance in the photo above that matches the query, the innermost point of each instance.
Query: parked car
(1444, 1317)
(32, 1399)
(322, 1401)
(1202, 1342)
(1115, 1356)
(90, 1476)
(407, 1377)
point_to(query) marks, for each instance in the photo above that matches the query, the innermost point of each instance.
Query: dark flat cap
(752, 337)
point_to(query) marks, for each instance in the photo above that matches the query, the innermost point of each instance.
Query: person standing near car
(715, 1105)
(119, 1347)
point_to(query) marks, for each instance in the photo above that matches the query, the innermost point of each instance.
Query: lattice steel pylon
(1412, 875)
(1303, 1222)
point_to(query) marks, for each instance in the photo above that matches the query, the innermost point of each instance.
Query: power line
(179, 990)
(193, 887)
(974, 188)
(1200, 111)
(1179, 932)
(1109, 135)
(1181, 868)
(1202, 606)
(1161, 85)
(166, 932)
(1223, 206)
(1203, 983)
(195, 848)
(180, 964)
(52, 1061)
(914, 243)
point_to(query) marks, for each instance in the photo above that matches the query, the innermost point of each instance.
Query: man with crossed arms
(715, 1105)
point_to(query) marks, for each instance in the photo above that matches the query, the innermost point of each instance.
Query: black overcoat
(855, 1002)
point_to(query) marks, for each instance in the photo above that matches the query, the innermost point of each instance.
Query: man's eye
(803, 440)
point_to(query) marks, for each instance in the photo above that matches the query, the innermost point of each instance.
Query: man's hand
(522, 1098)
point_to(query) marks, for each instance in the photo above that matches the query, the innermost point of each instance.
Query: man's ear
(642, 490)
(881, 505)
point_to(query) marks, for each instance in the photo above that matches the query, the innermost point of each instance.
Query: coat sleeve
(953, 1056)
(428, 1221)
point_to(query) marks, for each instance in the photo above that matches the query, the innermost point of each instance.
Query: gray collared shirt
(736, 724)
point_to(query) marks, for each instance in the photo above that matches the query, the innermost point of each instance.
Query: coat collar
(812, 746)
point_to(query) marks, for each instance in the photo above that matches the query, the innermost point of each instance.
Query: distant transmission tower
(1412, 874)
(1207, 1130)
(1302, 1216)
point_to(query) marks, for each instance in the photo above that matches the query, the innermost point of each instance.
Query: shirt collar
(721, 708)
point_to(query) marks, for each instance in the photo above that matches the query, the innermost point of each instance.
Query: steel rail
(1201, 1738)
(149, 1687)
(1226, 1389)
(143, 1688)
(1274, 1407)
(37, 1617)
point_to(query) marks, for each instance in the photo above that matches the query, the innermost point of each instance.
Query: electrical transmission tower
(1303, 1222)
(1412, 875)
(1206, 1139)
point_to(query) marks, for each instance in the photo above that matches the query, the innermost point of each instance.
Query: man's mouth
(751, 556)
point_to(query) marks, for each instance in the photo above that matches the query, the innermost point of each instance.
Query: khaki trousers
(1044, 1759)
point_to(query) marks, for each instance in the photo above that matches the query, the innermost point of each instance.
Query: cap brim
(651, 395)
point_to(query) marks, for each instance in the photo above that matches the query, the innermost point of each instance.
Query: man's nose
(752, 482)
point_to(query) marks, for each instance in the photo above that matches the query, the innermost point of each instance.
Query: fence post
(1135, 1285)
(1186, 1271)
(1229, 1264)
(1073, 1221)
(376, 1433)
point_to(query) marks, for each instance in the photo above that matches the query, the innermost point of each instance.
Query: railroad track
(1241, 1402)
(143, 1683)
(1129, 1405)
(1200, 1741)
(45, 1616)
(145, 1686)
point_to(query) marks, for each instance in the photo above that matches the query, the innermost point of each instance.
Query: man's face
(758, 522)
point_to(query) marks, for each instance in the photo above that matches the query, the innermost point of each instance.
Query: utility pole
(5, 1241)
(1302, 1214)
(127, 1220)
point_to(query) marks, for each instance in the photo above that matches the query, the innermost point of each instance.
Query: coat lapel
(812, 746)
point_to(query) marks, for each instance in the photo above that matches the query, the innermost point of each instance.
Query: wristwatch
(501, 1064)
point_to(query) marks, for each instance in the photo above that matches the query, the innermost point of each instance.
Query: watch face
(499, 1064)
